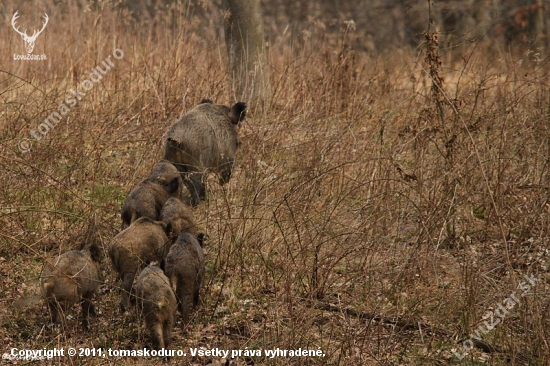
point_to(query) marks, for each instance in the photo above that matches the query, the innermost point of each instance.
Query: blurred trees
(520, 26)
(386, 24)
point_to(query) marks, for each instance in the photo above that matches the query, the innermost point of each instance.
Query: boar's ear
(160, 305)
(95, 253)
(237, 113)
(206, 101)
(200, 238)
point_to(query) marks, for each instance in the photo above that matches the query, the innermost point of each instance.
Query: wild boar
(204, 139)
(133, 248)
(178, 218)
(148, 197)
(157, 303)
(185, 268)
(72, 277)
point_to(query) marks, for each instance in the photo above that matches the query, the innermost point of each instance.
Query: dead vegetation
(368, 213)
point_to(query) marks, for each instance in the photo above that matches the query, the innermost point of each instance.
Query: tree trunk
(483, 19)
(539, 26)
(244, 34)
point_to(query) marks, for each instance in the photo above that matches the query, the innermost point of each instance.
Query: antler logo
(29, 41)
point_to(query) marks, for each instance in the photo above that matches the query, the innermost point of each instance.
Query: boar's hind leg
(127, 282)
(157, 338)
(195, 186)
(167, 332)
(225, 172)
(54, 310)
(185, 305)
(87, 309)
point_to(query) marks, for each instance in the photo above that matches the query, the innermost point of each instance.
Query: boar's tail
(161, 304)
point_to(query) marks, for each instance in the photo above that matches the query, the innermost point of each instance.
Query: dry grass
(368, 215)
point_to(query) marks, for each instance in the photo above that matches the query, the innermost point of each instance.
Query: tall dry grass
(368, 214)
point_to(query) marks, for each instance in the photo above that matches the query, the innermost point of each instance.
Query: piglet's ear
(237, 113)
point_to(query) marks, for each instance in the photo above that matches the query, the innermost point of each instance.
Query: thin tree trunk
(539, 26)
(244, 33)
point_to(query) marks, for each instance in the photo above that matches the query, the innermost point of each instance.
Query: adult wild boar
(148, 197)
(133, 248)
(178, 218)
(185, 268)
(204, 139)
(157, 303)
(72, 277)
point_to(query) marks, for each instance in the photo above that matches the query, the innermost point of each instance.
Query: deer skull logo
(29, 41)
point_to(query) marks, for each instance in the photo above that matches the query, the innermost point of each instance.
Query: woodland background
(394, 191)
